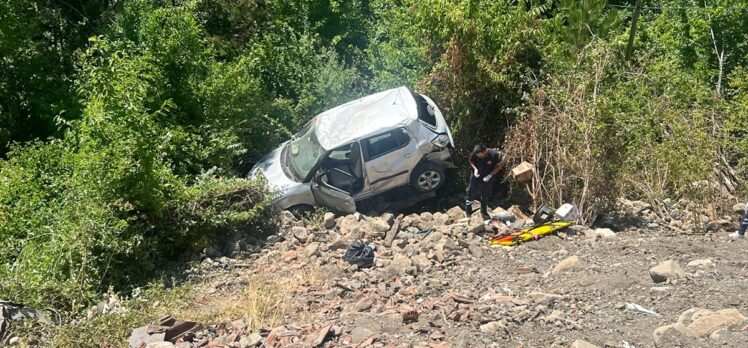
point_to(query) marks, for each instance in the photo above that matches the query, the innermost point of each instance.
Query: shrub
(116, 197)
(592, 142)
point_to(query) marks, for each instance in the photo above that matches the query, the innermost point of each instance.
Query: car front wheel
(427, 177)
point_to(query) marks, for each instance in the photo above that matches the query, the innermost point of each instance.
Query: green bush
(113, 199)
(736, 123)
(157, 108)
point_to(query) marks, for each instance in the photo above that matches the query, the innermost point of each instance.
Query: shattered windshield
(304, 151)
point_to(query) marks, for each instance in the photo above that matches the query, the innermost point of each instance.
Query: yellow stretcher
(532, 233)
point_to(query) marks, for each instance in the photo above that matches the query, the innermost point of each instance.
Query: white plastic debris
(639, 308)
(567, 212)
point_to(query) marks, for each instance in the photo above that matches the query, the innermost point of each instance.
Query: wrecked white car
(361, 149)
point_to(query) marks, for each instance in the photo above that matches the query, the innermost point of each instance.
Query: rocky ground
(436, 282)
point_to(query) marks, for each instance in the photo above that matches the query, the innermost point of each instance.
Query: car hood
(271, 167)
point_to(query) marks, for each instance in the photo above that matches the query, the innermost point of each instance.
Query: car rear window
(425, 112)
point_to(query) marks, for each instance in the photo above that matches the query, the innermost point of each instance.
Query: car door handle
(408, 155)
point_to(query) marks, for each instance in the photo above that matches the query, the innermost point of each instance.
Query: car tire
(427, 177)
(301, 211)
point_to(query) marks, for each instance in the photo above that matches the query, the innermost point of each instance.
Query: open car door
(332, 197)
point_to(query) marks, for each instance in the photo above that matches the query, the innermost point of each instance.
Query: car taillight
(441, 140)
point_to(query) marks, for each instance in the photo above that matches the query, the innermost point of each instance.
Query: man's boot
(468, 208)
(484, 210)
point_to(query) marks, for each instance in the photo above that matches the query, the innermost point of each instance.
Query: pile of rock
(10, 312)
(410, 294)
(677, 216)
(406, 247)
(171, 333)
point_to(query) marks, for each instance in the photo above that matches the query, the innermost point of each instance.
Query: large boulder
(427, 217)
(300, 234)
(429, 241)
(673, 335)
(287, 219)
(441, 219)
(312, 250)
(361, 334)
(353, 227)
(400, 265)
(582, 344)
(666, 270)
(701, 263)
(375, 227)
(476, 251)
(421, 261)
(251, 340)
(476, 224)
(705, 322)
(600, 233)
(572, 262)
(493, 328)
(455, 213)
(697, 323)
(329, 220)
(347, 224)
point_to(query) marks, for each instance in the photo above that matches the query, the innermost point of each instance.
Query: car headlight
(441, 140)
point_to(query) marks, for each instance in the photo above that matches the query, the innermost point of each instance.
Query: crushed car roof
(366, 116)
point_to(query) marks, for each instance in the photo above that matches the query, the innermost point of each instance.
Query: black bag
(360, 254)
(543, 215)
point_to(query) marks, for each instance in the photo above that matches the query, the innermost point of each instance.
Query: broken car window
(304, 152)
(425, 111)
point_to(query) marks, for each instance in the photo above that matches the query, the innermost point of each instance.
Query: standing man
(740, 233)
(485, 165)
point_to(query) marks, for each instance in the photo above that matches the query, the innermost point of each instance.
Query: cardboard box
(523, 172)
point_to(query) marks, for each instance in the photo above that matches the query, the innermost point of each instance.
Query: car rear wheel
(301, 211)
(427, 177)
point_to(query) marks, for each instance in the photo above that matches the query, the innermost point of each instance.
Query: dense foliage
(126, 126)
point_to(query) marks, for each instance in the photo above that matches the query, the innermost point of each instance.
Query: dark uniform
(477, 188)
(743, 223)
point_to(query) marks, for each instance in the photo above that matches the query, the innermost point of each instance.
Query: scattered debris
(636, 307)
(434, 283)
(523, 172)
(566, 212)
(360, 254)
(15, 312)
(543, 214)
(529, 234)
(527, 270)
(410, 316)
(165, 329)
